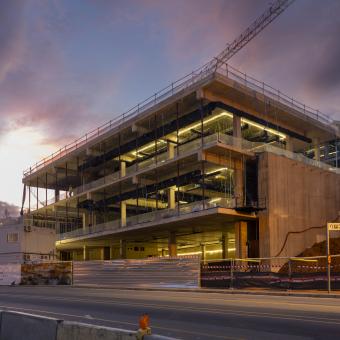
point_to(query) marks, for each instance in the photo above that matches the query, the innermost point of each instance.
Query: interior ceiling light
(147, 147)
(224, 113)
(274, 132)
(217, 170)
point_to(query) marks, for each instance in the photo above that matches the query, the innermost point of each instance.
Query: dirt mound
(318, 249)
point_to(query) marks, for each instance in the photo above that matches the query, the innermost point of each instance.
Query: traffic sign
(333, 226)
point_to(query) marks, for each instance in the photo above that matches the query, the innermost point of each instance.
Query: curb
(220, 291)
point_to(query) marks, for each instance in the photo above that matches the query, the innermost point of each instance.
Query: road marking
(176, 330)
(238, 299)
(202, 309)
(235, 301)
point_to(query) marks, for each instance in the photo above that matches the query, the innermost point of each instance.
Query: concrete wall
(298, 197)
(37, 240)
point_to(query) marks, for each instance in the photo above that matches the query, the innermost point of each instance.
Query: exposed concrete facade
(301, 200)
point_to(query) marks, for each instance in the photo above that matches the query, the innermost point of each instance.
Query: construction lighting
(147, 147)
(224, 113)
(217, 170)
(248, 260)
(259, 126)
(303, 260)
(199, 252)
(215, 200)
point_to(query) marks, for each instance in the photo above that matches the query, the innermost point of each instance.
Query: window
(12, 238)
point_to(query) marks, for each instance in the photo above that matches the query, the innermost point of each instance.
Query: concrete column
(122, 168)
(289, 143)
(241, 239)
(122, 214)
(171, 150)
(102, 253)
(237, 132)
(111, 252)
(86, 220)
(171, 198)
(316, 147)
(238, 182)
(172, 245)
(85, 253)
(122, 249)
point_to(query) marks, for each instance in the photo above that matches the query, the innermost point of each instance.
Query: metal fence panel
(174, 272)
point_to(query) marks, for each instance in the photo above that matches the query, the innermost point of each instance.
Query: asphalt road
(185, 315)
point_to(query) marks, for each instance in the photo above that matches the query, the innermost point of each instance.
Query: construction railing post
(289, 274)
(328, 260)
(231, 286)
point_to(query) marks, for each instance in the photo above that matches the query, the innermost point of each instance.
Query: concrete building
(21, 243)
(217, 164)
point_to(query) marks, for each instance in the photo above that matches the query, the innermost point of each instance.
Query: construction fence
(273, 273)
(295, 273)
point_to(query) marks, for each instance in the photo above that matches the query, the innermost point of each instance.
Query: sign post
(330, 227)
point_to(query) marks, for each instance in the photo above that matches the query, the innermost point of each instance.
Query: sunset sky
(69, 66)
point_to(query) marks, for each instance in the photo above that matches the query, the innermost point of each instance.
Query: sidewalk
(253, 291)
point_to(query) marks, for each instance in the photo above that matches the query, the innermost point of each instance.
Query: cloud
(11, 36)
(37, 83)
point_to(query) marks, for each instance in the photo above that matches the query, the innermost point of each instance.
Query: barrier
(46, 273)
(169, 272)
(276, 273)
(16, 325)
(10, 273)
(80, 331)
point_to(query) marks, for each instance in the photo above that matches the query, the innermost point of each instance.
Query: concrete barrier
(15, 325)
(80, 331)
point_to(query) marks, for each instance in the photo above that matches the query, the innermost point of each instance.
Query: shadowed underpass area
(185, 315)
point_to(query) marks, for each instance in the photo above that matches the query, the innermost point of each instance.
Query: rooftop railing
(193, 78)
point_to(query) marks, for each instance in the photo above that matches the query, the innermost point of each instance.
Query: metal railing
(191, 79)
(157, 215)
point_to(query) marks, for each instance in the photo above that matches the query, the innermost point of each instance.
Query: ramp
(175, 272)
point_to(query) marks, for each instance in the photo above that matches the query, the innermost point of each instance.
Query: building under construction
(217, 164)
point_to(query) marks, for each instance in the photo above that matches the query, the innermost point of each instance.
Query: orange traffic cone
(144, 326)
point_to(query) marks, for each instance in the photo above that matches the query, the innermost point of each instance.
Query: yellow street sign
(333, 226)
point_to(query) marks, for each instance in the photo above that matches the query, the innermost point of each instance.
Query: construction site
(218, 165)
